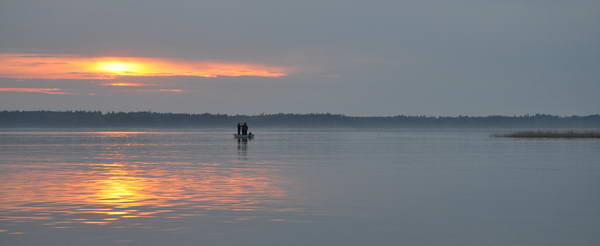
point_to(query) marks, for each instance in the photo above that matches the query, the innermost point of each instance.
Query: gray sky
(432, 57)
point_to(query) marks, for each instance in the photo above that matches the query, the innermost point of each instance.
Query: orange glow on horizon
(50, 91)
(61, 66)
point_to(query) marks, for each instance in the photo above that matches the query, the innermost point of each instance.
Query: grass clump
(551, 134)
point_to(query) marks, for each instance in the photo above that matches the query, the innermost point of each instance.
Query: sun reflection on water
(116, 187)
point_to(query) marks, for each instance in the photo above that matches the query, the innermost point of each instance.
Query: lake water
(297, 187)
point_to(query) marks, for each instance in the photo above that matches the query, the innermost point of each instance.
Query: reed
(552, 134)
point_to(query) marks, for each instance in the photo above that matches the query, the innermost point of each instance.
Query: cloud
(63, 66)
(51, 91)
(139, 91)
(171, 90)
(127, 84)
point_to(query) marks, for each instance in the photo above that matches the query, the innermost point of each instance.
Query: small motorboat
(240, 136)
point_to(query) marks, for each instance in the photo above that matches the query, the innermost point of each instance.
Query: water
(296, 187)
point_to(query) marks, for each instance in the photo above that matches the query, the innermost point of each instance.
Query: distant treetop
(154, 119)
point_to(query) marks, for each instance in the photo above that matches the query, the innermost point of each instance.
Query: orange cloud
(126, 84)
(51, 91)
(62, 66)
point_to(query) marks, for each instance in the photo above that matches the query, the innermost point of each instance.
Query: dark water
(297, 187)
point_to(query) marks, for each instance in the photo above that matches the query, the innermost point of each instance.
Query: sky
(413, 57)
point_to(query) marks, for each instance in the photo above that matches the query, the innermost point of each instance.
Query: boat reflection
(116, 187)
(242, 148)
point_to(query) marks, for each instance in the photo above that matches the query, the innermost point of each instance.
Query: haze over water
(296, 187)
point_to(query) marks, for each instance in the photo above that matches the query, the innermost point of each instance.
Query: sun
(120, 68)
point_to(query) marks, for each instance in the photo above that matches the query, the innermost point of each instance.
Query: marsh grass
(551, 134)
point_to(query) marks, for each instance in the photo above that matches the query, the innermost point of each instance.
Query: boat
(240, 136)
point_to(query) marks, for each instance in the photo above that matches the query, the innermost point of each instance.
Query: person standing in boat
(239, 128)
(244, 129)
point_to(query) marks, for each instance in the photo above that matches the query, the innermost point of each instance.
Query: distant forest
(58, 119)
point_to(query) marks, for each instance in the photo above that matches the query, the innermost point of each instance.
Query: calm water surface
(296, 187)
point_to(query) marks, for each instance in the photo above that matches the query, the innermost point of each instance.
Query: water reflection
(242, 147)
(121, 133)
(116, 186)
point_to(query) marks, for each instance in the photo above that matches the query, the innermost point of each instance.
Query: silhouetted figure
(244, 129)
(239, 128)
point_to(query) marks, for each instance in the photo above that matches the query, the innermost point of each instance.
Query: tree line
(155, 119)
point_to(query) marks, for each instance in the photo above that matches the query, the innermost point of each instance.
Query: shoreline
(551, 134)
